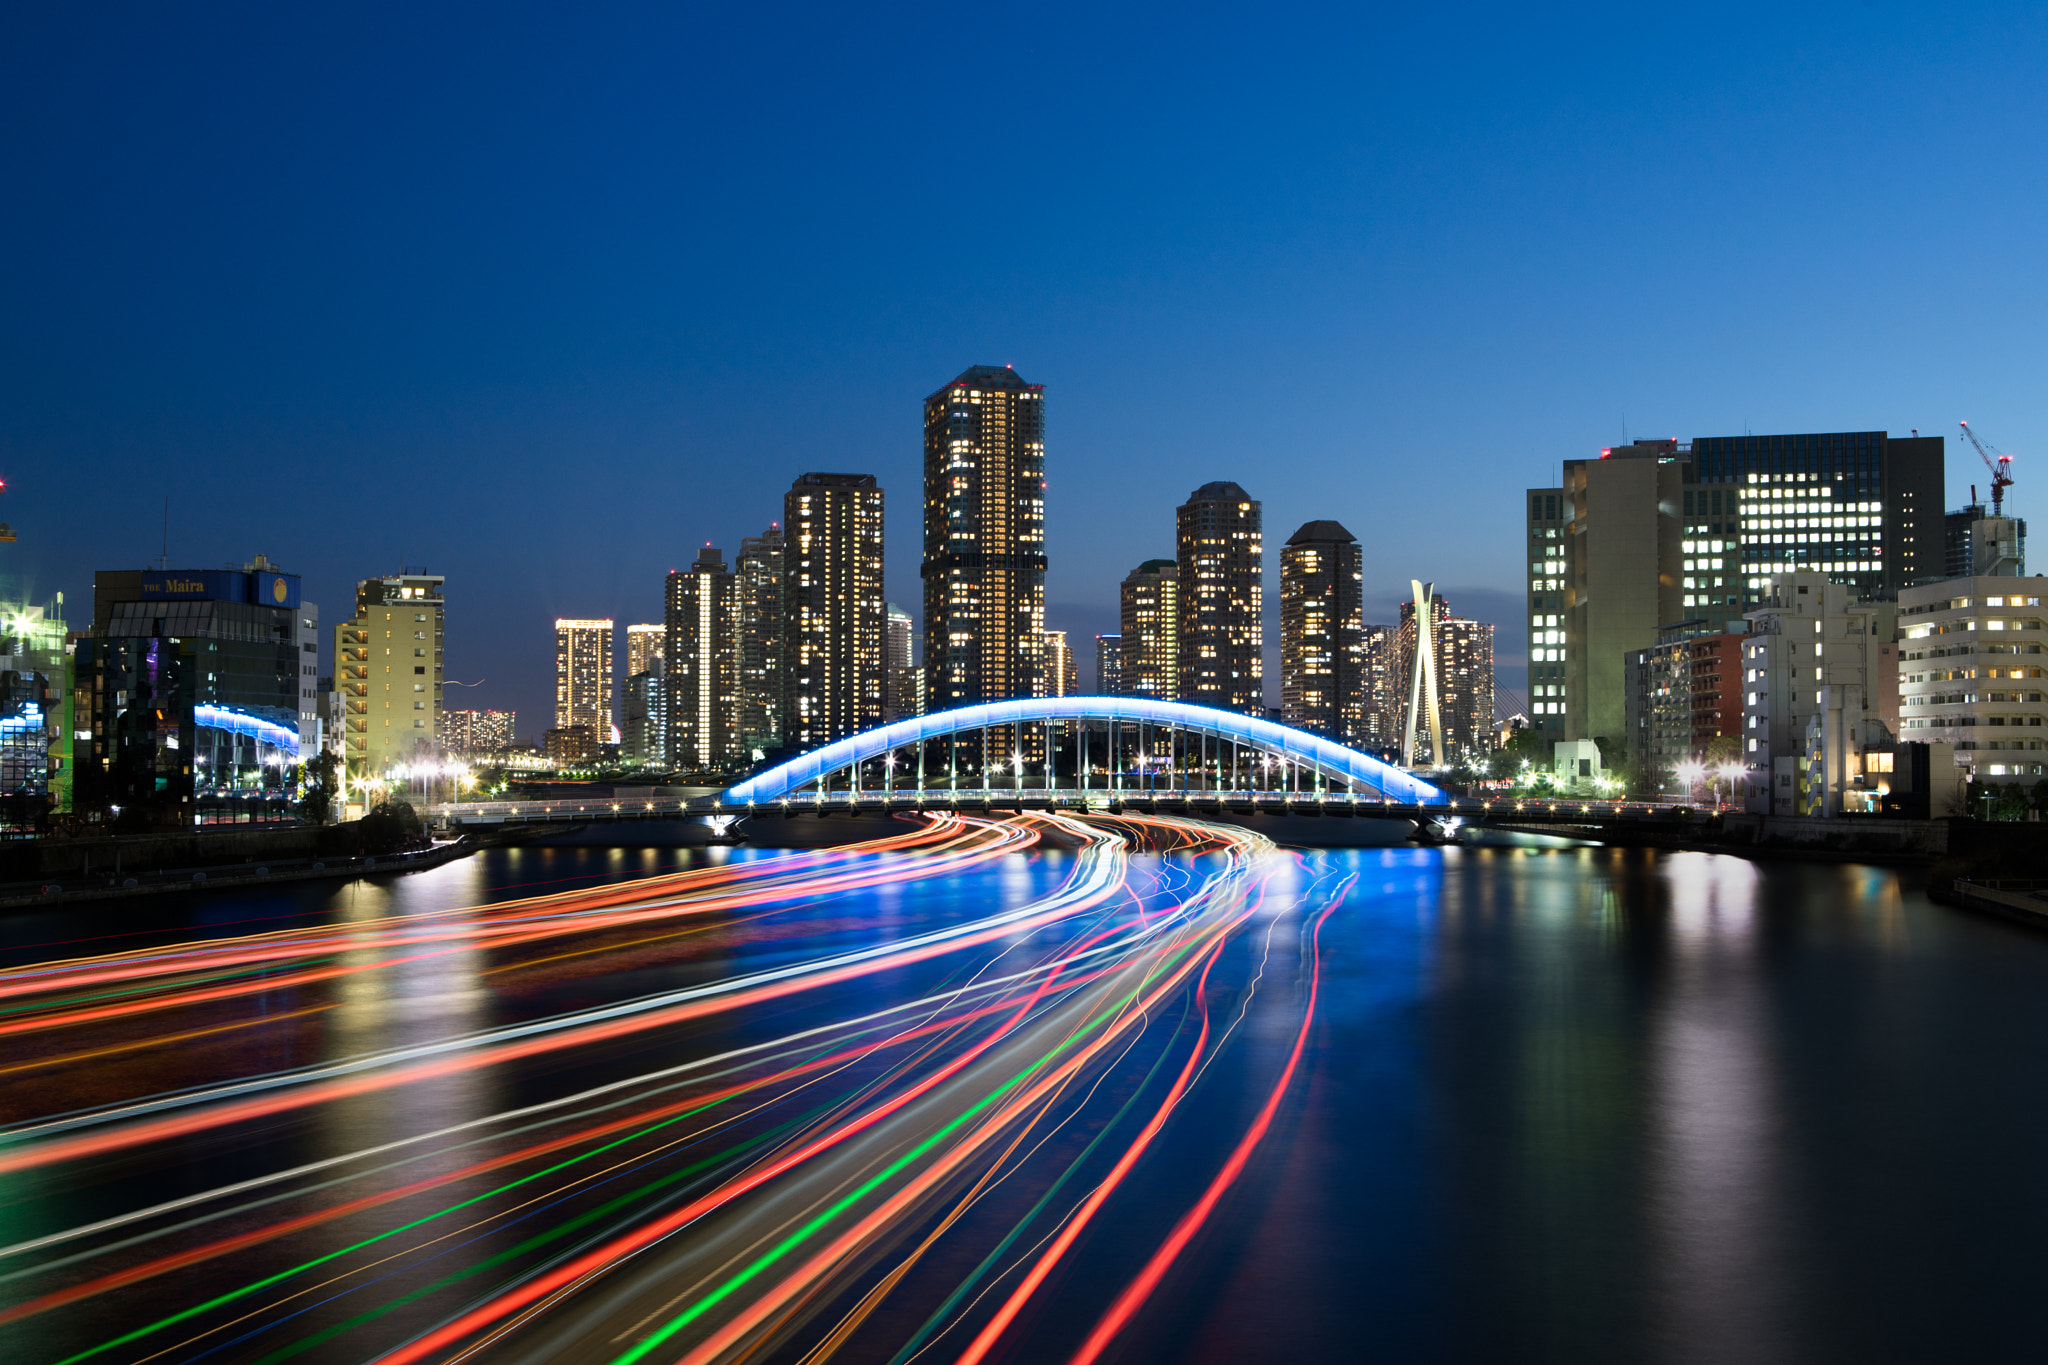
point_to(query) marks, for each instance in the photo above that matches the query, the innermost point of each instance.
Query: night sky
(544, 300)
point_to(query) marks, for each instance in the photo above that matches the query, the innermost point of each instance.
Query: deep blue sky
(544, 300)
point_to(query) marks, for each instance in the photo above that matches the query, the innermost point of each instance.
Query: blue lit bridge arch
(1083, 748)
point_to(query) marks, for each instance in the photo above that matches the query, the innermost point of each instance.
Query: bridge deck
(592, 810)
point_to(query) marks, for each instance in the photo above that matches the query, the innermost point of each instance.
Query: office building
(1820, 689)
(187, 704)
(1061, 677)
(1151, 628)
(473, 734)
(1664, 531)
(898, 656)
(644, 644)
(1109, 666)
(1222, 604)
(387, 666)
(762, 647)
(834, 614)
(1321, 615)
(700, 665)
(1973, 673)
(36, 733)
(984, 538)
(583, 677)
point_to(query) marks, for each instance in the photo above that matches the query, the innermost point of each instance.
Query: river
(1235, 1104)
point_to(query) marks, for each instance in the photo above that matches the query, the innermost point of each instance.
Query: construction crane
(2001, 472)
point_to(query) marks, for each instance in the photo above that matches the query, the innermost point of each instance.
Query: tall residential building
(1061, 678)
(643, 647)
(1321, 615)
(762, 643)
(984, 538)
(387, 666)
(1666, 531)
(473, 733)
(643, 739)
(1151, 630)
(583, 676)
(1463, 661)
(1684, 704)
(897, 659)
(1377, 730)
(833, 610)
(1222, 602)
(1109, 666)
(700, 665)
(1464, 679)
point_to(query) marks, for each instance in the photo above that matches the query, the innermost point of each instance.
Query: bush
(390, 827)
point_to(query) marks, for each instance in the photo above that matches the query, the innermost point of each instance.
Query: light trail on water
(758, 1197)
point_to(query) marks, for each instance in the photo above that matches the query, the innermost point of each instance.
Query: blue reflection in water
(1575, 1104)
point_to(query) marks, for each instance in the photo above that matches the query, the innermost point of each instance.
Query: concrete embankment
(132, 865)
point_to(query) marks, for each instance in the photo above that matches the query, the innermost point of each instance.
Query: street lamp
(1728, 772)
(1690, 773)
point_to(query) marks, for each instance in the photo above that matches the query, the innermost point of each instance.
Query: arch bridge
(1082, 751)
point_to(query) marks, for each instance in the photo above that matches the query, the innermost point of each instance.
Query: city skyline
(1307, 250)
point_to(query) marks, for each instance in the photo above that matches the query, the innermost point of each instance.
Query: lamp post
(1728, 772)
(1690, 773)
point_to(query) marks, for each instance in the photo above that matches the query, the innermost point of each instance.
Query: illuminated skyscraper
(1109, 665)
(643, 646)
(583, 677)
(984, 538)
(897, 661)
(1151, 630)
(1463, 662)
(1321, 609)
(1222, 622)
(833, 608)
(701, 676)
(478, 732)
(1061, 678)
(1377, 730)
(762, 646)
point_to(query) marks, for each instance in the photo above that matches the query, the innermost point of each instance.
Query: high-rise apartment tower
(583, 677)
(1061, 678)
(984, 538)
(897, 661)
(833, 610)
(1321, 613)
(763, 648)
(1151, 630)
(701, 675)
(1222, 623)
